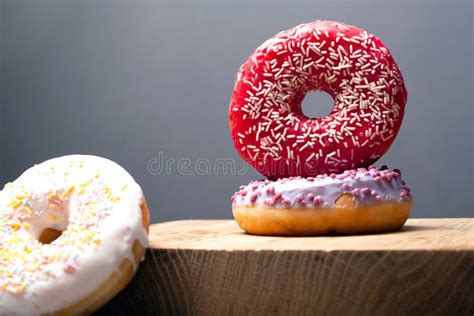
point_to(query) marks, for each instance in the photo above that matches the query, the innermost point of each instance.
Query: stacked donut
(320, 177)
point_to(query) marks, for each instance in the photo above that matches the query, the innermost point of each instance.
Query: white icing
(384, 185)
(107, 211)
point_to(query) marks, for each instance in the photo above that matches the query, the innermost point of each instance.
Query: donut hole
(53, 218)
(317, 104)
(48, 235)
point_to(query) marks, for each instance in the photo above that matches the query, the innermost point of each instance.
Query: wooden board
(213, 268)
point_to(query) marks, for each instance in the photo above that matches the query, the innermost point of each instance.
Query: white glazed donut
(72, 232)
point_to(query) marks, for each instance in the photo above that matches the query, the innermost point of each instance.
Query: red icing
(267, 124)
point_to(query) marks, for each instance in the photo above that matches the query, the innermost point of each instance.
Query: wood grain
(213, 268)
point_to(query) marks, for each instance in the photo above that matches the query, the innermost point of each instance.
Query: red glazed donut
(268, 126)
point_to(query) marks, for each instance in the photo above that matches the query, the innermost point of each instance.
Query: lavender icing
(370, 185)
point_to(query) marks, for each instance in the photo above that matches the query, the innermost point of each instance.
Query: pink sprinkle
(378, 179)
(310, 196)
(317, 200)
(356, 192)
(366, 191)
(378, 198)
(299, 197)
(243, 193)
(277, 197)
(346, 187)
(69, 268)
(254, 187)
(253, 198)
(270, 190)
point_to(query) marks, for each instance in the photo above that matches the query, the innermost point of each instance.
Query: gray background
(130, 80)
